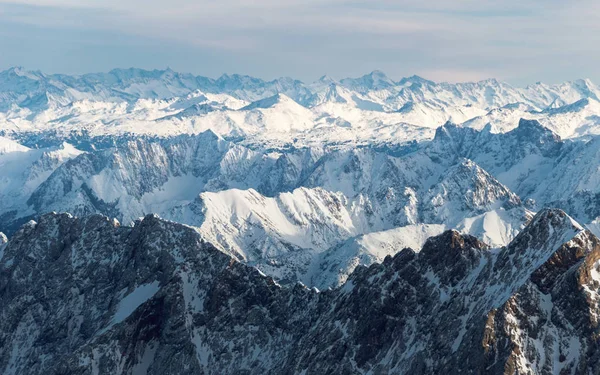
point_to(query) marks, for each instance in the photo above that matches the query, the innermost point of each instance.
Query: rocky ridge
(156, 298)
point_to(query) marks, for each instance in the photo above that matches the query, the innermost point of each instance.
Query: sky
(518, 41)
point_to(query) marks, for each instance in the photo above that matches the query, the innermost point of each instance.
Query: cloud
(522, 41)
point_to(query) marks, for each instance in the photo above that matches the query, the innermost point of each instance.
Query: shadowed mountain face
(156, 298)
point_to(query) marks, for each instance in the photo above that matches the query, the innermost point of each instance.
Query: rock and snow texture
(309, 183)
(85, 295)
(22, 171)
(290, 211)
(283, 211)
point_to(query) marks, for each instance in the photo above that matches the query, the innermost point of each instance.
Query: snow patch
(133, 300)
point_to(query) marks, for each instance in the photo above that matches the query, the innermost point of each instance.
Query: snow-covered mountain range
(322, 184)
(303, 181)
(283, 211)
(372, 109)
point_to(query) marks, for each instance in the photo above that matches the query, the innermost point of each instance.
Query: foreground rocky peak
(155, 298)
(110, 295)
(550, 325)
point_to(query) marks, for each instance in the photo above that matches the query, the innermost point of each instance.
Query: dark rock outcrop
(87, 296)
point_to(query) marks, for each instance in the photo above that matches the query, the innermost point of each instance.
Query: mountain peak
(376, 80)
(549, 229)
(556, 218)
(378, 72)
(531, 124)
(490, 81)
(451, 240)
(20, 72)
(269, 102)
(334, 94)
(326, 79)
(447, 130)
(534, 130)
(583, 82)
(415, 79)
(379, 75)
(238, 81)
(475, 188)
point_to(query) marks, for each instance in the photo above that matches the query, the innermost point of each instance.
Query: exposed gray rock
(88, 296)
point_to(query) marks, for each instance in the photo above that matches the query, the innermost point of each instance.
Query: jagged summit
(448, 247)
(21, 72)
(446, 131)
(326, 79)
(415, 79)
(550, 221)
(534, 130)
(530, 124)
(332, 93)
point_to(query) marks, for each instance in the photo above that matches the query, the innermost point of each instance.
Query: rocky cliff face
(87, 296)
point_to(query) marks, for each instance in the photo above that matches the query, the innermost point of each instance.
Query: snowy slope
(572, 120)
(331, 268)
(8, 145)
(22, 171)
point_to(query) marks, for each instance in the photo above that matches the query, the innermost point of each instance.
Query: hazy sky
(520, 41)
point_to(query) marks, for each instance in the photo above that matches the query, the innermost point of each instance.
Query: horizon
(337, 79)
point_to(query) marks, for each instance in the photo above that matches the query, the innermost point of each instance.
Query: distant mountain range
(284, 112)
